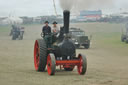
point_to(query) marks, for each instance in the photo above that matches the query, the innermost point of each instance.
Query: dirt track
(107, 59)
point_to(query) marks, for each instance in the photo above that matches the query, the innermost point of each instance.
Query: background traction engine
(62, 52)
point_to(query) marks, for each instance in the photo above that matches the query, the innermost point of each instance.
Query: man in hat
(55, 28)
(46, 30)
(55, 31)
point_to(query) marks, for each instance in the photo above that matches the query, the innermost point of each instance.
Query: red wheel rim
(49, 65)
(36, 55)
(80, 66)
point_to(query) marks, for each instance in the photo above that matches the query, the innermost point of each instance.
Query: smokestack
(66, 15)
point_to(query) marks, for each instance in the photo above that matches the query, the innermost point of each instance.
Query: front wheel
(87, 46)
(51, 64)
(82, 67)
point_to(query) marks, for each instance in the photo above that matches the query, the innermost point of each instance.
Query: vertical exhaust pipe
(66, 15)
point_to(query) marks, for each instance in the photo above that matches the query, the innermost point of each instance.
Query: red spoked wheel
(51, 64)
(40, 54)
(36, 55)
(82, 67)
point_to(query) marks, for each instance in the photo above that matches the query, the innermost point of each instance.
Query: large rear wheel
(87, 46)
(82, 67)
(40, 54)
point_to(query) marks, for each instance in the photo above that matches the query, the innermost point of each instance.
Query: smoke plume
(67, 4)
(86, 4)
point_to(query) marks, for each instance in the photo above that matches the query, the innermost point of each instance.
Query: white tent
(12, 20)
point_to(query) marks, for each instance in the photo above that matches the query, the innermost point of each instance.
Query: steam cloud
(86, 4)
(67, 4)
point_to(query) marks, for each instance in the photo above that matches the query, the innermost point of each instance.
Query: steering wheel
(41, 34)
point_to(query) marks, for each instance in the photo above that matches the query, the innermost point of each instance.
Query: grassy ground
(4, 29)
(107, 58)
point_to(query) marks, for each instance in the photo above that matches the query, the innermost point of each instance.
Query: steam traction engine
(62, 52)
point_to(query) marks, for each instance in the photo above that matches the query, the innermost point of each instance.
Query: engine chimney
(66, 15)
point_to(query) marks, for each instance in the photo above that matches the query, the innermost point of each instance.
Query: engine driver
(46, 30)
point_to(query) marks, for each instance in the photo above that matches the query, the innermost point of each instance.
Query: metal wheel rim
(80, 66)
(49, 65)
(36, 55)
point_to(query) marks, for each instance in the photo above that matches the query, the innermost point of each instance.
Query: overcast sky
(44, 7)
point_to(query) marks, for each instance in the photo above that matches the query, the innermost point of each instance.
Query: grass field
(107, 58)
